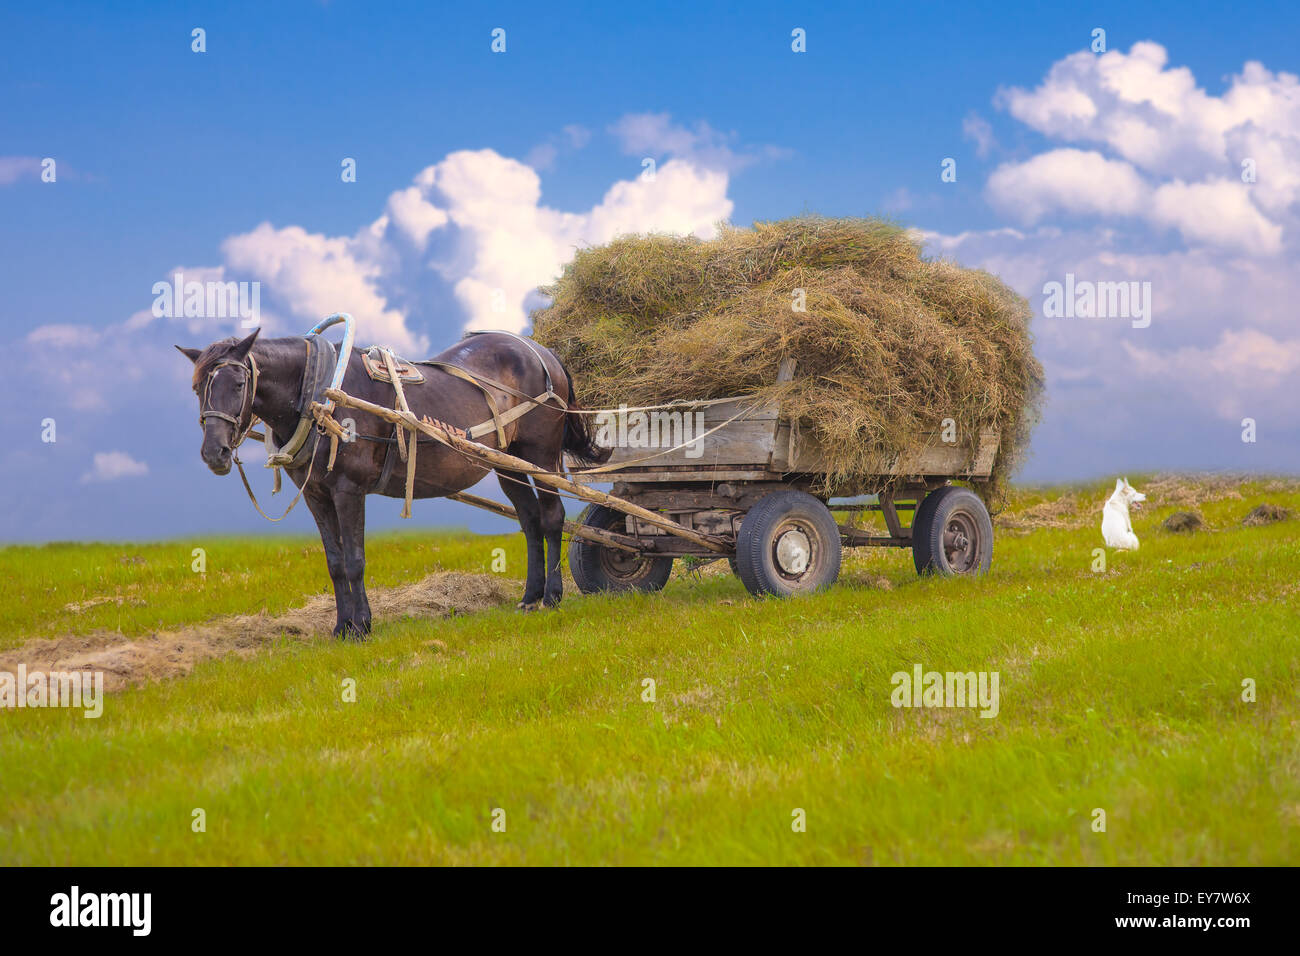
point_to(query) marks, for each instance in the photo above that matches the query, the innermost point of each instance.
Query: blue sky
(228, 161)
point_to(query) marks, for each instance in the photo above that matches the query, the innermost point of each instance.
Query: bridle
(246, 407)
(242, 429)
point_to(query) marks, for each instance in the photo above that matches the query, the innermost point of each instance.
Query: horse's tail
(578, 438)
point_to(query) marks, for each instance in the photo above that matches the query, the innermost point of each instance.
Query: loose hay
(1183, 522)
(889, 346)
(1266, 514)
(166, 654)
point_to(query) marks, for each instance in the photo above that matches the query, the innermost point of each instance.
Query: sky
(1162, 151)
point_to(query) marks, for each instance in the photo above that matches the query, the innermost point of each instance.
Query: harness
(324, 369)
(382, 365)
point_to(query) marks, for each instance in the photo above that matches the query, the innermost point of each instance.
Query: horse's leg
(520, 492)
(321, 506)
(552, 521)
(351, 508)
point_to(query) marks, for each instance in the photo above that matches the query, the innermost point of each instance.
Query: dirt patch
(1183, 522)
(1266, 514)
(174, 653)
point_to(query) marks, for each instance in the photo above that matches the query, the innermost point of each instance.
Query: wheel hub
(793, 551)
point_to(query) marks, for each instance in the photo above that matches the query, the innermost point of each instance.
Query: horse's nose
(218, 459)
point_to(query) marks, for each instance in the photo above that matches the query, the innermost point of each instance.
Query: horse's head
(225, 378)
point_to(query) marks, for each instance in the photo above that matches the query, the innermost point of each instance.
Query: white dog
(1116, 528)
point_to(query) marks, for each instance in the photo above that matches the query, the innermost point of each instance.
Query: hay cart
(746, 491)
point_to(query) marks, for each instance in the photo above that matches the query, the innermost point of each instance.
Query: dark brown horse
(238, 379)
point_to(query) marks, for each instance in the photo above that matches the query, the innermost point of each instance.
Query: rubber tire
(594, 568)
(755, 562)
(932, 519)
(921, 530)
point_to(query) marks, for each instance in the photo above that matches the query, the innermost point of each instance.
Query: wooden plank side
(697, 473)
(746, 440)
(935, 458)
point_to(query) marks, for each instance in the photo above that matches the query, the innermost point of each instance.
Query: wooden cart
(750, 483)
(747, 492)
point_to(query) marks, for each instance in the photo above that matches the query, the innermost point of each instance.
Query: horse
(239, 381)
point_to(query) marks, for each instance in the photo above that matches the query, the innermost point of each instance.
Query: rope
(298, 497)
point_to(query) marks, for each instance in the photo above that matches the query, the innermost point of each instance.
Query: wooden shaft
(599, 536)
(502, 460)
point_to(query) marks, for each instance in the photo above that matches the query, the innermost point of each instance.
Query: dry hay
(1183, 522)
(890, 343)
(1062, 512)
(1266, 514)
(165, 654)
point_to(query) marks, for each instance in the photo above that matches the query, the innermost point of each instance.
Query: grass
(1120, 690)
(134, 588)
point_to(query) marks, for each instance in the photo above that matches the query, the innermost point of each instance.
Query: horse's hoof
(529, 605)
(352, 631)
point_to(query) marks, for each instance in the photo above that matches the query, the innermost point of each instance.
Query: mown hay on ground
(1183, 522)
(1266, 514)
(888, 346)
(126, 661)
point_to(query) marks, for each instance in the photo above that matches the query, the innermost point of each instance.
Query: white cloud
(506, 243)
(471, 229)
(1153, 115)
(1066, 180)
(1190, 148)
(313, 275)
(1218, 212)
(112, 465)
(414, 215)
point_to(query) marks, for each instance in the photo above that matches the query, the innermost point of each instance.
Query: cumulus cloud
(1066, 180)
(503, 243)
(1218, 212)
(1222, 170)
(465, 245)
(112, 465)
(313, 275)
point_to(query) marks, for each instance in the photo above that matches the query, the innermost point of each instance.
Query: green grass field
(1120, 690)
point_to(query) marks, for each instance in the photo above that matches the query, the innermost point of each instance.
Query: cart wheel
(788, 544)
(596, 568)
(952, 533)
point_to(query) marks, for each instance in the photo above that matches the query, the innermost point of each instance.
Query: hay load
(888, 344)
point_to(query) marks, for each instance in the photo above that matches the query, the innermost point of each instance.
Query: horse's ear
(241, 348)
(191, 354)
